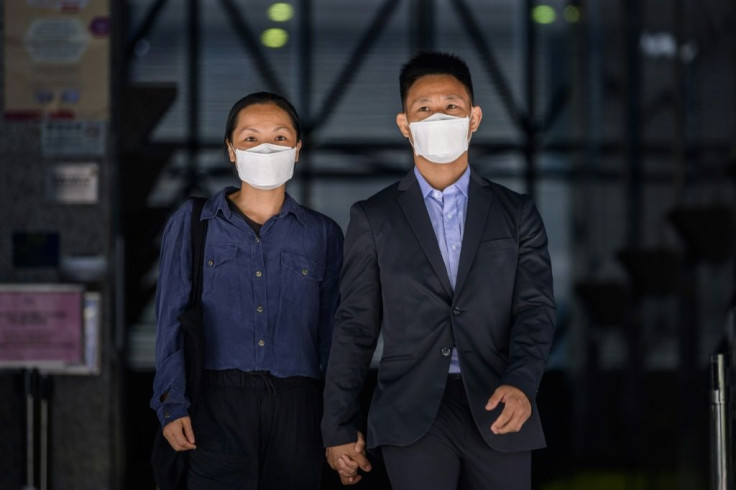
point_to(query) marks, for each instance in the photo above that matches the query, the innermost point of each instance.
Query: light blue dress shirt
(447, 211)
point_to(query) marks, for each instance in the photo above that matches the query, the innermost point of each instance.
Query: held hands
(347, 458)
(180, 435)
(516, 410)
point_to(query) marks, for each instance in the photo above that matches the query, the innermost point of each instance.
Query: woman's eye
(280, 138)
(249, 139)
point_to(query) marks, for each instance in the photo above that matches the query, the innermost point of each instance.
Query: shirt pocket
(220, 272)
(305, 267)
(220, 255)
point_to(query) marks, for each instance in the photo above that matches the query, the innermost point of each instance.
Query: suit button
(456, 310)
(446, 351)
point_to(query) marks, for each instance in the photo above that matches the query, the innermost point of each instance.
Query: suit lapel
(412, 204)
(479, 204)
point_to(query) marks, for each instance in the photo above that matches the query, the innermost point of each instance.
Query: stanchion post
(720, 454)
(30, 388)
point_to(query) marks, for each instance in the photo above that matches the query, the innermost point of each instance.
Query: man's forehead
(443, 84)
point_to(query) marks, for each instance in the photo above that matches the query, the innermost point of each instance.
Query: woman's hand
(180, 435)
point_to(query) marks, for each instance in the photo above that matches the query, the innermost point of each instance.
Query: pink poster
(43, 326)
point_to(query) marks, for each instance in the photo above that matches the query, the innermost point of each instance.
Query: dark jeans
(453, 455)
(256, 431)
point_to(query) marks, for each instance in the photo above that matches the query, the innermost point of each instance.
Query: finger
(180, 438)
(502, 421)
(347, 466)
(360, 443)
(362, 461)
(188, 431)
(495, 399)
(350, 480)
(513, 425)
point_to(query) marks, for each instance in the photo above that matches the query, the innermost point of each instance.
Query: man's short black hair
(434, 63)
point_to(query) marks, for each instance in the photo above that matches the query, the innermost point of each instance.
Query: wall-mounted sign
(51, 327)
(57, 57)
(73, 138)
(73, 183)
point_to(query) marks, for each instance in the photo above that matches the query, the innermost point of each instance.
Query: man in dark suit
(453, 270)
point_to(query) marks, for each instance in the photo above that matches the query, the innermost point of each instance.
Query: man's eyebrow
(447, 97)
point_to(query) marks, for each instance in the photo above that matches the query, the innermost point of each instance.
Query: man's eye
(424, 109)
(452, 106)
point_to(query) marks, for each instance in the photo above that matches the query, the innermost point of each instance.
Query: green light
(280, 12)
(543, 14)
(572, 14)
(274, 38)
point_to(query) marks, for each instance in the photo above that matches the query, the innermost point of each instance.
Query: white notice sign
(73, 183)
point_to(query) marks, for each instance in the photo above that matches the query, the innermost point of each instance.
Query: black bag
(169, 466)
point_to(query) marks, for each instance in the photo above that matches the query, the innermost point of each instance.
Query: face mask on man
(440, 138)
(265, 166)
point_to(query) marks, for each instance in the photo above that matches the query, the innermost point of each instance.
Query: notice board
(57, 59)
(50, 327)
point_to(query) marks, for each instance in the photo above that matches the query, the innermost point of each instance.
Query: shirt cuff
(168, 412)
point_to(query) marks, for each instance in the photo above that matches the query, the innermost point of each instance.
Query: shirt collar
(462, 183)
(218, 203)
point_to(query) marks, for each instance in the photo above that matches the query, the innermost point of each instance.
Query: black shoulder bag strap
(191, 318)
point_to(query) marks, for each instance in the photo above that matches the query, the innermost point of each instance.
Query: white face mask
(440, 138)
(265, 166)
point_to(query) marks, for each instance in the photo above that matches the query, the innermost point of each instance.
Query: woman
(270, 277)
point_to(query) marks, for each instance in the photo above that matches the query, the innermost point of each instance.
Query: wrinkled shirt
(268, 300)
(447, 211)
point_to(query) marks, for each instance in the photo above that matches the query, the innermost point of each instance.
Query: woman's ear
(298, 148)
(230, 151)
(403, 124)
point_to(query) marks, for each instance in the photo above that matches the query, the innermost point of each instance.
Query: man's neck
(441, 176)
(257, 204)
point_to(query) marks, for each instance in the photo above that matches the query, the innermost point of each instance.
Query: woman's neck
(257, 204)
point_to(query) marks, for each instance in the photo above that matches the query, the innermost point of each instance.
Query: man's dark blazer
(394, 282)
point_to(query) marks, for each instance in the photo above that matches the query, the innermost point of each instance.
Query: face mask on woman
(265, 166)
(440, 138)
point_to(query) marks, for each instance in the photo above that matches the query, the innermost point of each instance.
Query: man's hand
(516, 410)
(180, 435)
(347, 458)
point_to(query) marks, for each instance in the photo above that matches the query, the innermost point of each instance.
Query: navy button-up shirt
(268, 300)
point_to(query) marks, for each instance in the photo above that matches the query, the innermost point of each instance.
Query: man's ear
(403, 124)
(298, 147)
(476, 114)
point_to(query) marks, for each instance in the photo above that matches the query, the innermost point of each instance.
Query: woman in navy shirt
(270, 276)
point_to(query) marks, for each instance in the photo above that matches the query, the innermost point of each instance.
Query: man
(454, 271)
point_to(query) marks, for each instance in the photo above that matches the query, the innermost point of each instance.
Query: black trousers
(254, 431)
(453, 455)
